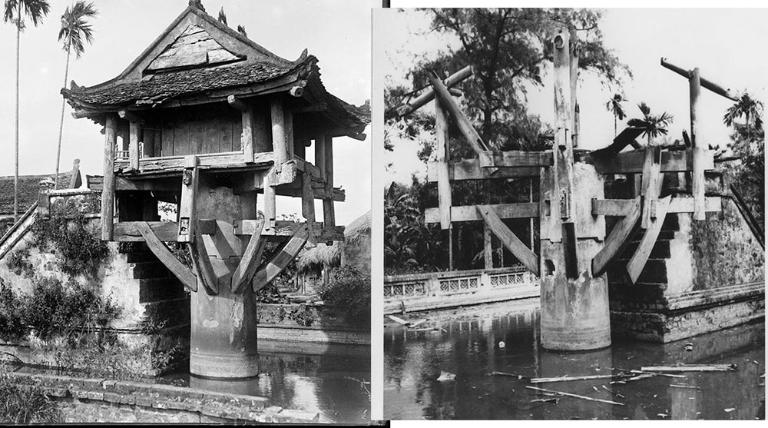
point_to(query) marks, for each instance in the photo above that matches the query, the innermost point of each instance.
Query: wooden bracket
(617, 240)
(246, 269)
(201, 265)
(640, 257)
(280, 261)
(652, 180)
(178, 269)
(526, 256)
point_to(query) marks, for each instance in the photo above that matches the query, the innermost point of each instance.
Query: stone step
(655, 271)
(141, 256)
(660, 250)
(157, 289)
(150, 270)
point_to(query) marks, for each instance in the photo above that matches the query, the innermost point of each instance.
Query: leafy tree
(614, 106)
(749, 108)
(653, 126)
(748, 175)
(15, 11)
(75, 31)
(510, 49)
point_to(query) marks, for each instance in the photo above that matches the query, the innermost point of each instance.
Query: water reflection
(474, 342)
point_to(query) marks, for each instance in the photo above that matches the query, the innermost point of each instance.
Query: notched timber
(470, 212)
(509, 239)
(632, 162)
(471, 169)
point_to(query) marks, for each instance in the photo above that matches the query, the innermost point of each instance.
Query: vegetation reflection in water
(475, 342)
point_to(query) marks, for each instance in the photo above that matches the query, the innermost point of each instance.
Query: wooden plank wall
(197, 131)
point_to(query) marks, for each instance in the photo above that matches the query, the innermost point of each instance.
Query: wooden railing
(398, 287)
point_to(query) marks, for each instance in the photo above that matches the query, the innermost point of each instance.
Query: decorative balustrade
(400, 287)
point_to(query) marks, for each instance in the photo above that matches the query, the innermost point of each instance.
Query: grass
(25, 404)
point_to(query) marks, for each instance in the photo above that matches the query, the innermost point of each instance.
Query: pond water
(334, 383)
(467, 342)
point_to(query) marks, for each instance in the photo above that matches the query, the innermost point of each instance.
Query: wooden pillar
(108, 189)
(270, 208)
(279, 141)
(187, 209)
(246, 138)
(289, 143)
(699, 151)
(329, 214)
(133, 145)
(442, 157)
(450, 248)
(307, 197)
(320, 154)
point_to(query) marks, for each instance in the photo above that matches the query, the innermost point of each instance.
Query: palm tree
(614, 106)
(75, 30)
(15, 11)
(652, 125)
(747, 107)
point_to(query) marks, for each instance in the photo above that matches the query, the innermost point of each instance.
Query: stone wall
(701, 276)
(84, 400)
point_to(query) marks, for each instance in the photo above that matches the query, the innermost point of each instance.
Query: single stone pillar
(574, 312)
(223, 327)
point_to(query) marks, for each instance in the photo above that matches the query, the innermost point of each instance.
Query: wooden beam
(320, 155)
(155, 244)
(429, 93)
(442, 155)
(640, 257)
(246, 269)
(279, 141)
(623, 207)
(717, 89)
(108, 186)
(470, 169)
(130, 116)
(516, 159)
(632, 162)
(133, 145)
(175, 164)
(699, 150)
(618, 239)
(237, 103)
(509, 239)
(464, 125)
(278, 263)
(463, 213)
(187, 209)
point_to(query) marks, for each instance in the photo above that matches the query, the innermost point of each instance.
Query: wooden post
(442, 157)
(307, 198)
(289, 144)
(187, 211)
(108, 189)
(133, 145)
(75, 181)
(699, 151)
(279, 143)
(320, 154)
(487, 248)
(574, 69)
(450, 248)
(329, 215)
(270, 208)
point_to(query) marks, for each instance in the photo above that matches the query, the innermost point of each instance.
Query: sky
(337, 32)
(723, 43)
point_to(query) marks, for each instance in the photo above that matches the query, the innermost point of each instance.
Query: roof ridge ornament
(197, 4)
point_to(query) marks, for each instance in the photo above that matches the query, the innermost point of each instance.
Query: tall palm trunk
(615, 128)
(16, 132)
(61, 121)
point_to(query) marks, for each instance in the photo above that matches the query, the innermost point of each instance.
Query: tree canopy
(509, 50)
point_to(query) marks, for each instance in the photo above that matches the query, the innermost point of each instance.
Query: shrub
(66, 232)
(25, 404)
(18, 263)
(53, 309)
(11, 322)
(350, 290)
